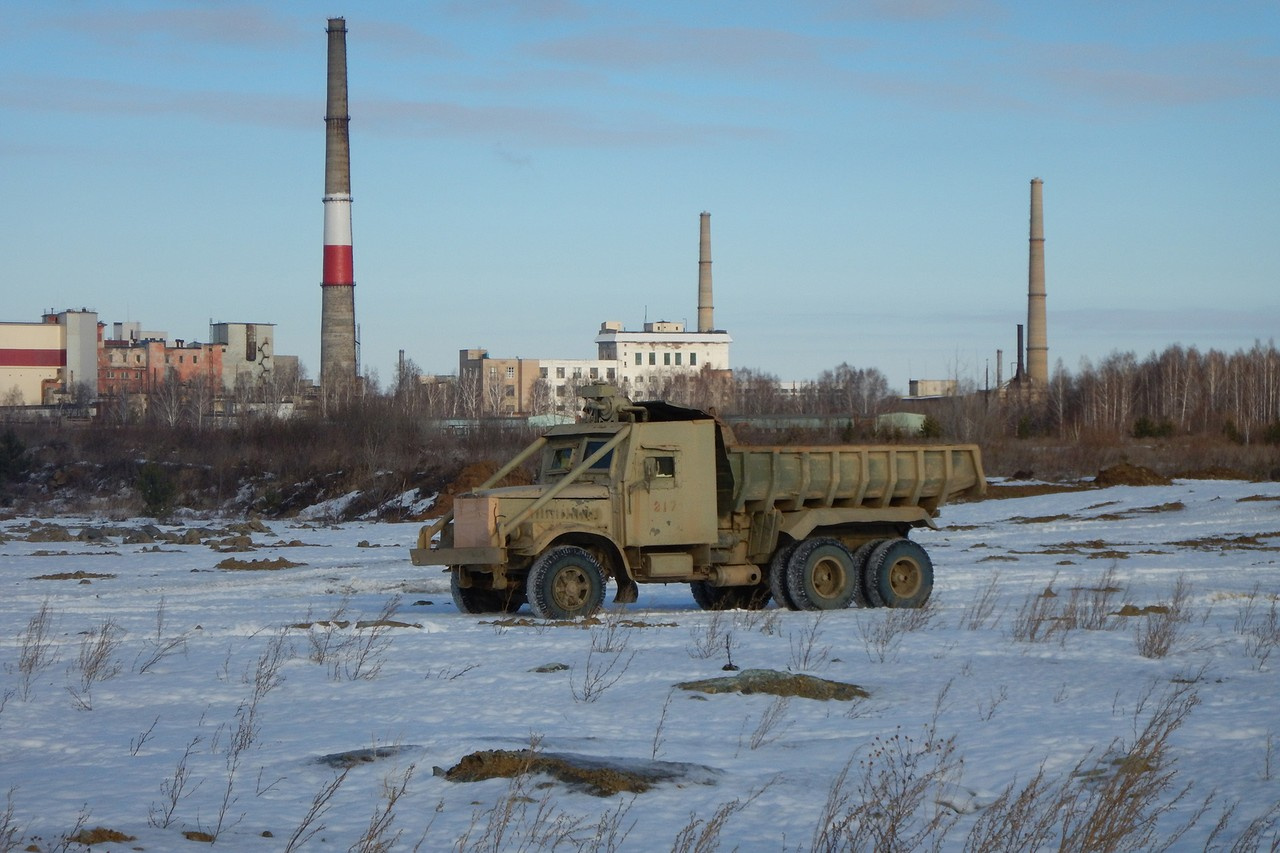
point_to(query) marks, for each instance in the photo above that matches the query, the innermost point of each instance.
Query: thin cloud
(240, 25)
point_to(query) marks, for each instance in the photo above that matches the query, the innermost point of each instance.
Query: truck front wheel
(821, 575)
(899, 574)
(565, 583)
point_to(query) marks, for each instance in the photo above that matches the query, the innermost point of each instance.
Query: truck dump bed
(853, 477)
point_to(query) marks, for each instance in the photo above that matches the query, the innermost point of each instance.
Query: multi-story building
(50, 361)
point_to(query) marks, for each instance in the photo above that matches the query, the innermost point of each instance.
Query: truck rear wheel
(565, 583)
(899, 574)
(729, 597)
(473, 599)
(821, 575)
(778, 577)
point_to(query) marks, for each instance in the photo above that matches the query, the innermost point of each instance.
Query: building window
(509, 391)
(653, 358)
(511, 372)
(678, 358)
(666, 358)
(195, 359)
(693, 359)
(639, 358)
(493, 373)
(611, 373)
(181, 359)
(250, 343)
(577, 373)
(639, 380)
(559, 373)
(595, 373)
(542, 372)
(137, 359)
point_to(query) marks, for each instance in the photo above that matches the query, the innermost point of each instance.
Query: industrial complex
(70, 357)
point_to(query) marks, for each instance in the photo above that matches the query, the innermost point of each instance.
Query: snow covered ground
(160, 695)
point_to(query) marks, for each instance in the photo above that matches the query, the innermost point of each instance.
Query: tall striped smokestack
(338, 308)
(1037, 335)
(705, 321)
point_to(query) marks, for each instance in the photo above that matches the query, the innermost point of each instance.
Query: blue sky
(523, 171)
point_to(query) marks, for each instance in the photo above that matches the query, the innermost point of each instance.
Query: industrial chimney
(1037, 335)
(338, 309)
(705, 321)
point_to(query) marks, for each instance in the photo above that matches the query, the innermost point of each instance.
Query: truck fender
(612, 559)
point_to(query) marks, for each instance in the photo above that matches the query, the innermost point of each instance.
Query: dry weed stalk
(808, 653)
(11, 831)
(770, 726)
(703, 836)
(883, 631)
(159, 647)
(36, 649)
(311, 823)
(174, 788)
(1260, 627)
(708, 640)
(378, 837)
(95, 662)
(980, 613)
(889, 807)
(600, 671)
(1102, 806)
(1037, 619)
(1156, 635)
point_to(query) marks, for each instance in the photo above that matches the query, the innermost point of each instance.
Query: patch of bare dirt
(1213, 473)
(778, 684)
(998, 558)
(1039, 519)
(73, 576)
(197, 835)
(99, 835)
(1244, 542)
(1126, 474)
(232, 564)
(1172, 506)
(1134, 610)
(599, 777)
(1258, 498)
(587, 622)
(999, 491)
(356, 757)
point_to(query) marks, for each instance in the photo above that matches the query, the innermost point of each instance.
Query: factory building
(639, 362)
(51, 361)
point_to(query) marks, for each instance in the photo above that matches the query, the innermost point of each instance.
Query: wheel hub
(904, 578)
(571, 588)
(828, 578)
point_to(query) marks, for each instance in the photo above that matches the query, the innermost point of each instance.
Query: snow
(187, 639)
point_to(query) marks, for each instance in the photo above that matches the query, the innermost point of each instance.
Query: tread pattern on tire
(880, 563)
(542, 577)
(799, 574)
(778, 576)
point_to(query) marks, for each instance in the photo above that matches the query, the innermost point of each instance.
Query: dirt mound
(1126, 474)
(472, 476)
(996, 491)
(778, 684)
(231, 564)
(99, 835)
(596, 776)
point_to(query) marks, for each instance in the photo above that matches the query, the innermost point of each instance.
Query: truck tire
(861, 596)
(821, 575)
(565, 583)
(778, 577)
(729, 597)
(899, 574)
(472, 599)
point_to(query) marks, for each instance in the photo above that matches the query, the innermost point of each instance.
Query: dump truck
(651, 492)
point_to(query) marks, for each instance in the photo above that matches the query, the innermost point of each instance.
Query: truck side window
(663, 466)
(603, 463)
